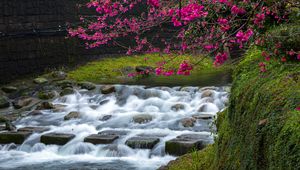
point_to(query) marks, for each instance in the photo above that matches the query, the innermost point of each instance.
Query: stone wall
(33, 37)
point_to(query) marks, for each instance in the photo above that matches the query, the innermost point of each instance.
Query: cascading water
(134, 110)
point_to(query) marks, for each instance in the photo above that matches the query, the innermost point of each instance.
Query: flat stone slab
(203, 116)
(114, 132)
(13, 137)
(34, 129)
(101, 139)
(56, 138)
(142, 142)
(186, 143)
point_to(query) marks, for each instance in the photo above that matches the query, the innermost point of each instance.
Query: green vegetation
(260, 129)
(115, 70)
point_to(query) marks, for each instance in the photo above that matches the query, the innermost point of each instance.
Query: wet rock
(33, 129)
(101, 139)
(46, 95)
(207, 93)
(35, 113)
(72, 115)
(65, 83)
(9, 89)
(13, 137)
(4, 102)
(40, 80)
(67, 91)
(107, 89)
(103, 102)
(56, 138)
(207, 100)
(2, 128)
(113, 133)
(209, 88)
(184, 144)
(59, 75)
(203, 116)
(188, 122)
(59, 108)
(142, 118)
(9, 126)
(87, 85)
(178, 107)
(3, 119)
(142, 142)
(208, 107)
(106, 117)
(22, 102)
(45, 106)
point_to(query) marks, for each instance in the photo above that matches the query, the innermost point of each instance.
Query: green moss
(261, 127)
(114, 70)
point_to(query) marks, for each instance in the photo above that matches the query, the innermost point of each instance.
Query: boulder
(142, 118)
(45, 106)
(13, 137)
(65, 83)
(188, 122)
(40, 80)
(185, 143)
(107, 89)
(22, 102)
(59, 108)
(87, 85)
(67, 91)
(101, 139)
(72, 115)
(178, 107)
(207, 93)
(56, 138)
(4, 102)
(59, 75)
(46, 95)
(33, 129)
(105, 118)
(9, 89)
(142, 142)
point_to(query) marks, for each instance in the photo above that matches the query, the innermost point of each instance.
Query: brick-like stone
(142, 142)
(34, 129)
(56, 138)
(101, 139)
(13, 137)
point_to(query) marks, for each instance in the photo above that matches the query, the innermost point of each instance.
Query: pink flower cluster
(184, 68)
(220, 58)
(187, 14)
(237, 10)
(242, 37)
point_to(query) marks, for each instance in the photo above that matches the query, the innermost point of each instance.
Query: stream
(131, 110)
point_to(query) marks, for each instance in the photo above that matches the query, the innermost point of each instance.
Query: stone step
(34, 129)
(114, 132)
(101, 139)
(142, 142)
(13, 137)
(186, 143)
(56, 138)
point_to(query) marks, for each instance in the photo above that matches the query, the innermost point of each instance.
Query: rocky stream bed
(57, 123)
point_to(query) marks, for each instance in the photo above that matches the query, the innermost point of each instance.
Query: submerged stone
(72, 115)
(177, 107)
(142, 118)
(106, 117)
(56, 138)
(40, 80)
(188, 122)
(45, 106)
(114, 132)
(67, 91)
(142, 142)
(207, 93)
(87, 85)
(101, 139)
(13, 137)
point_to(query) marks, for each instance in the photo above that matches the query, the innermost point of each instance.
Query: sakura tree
(210, 27)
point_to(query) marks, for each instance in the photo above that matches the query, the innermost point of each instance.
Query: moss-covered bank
(261, 127)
